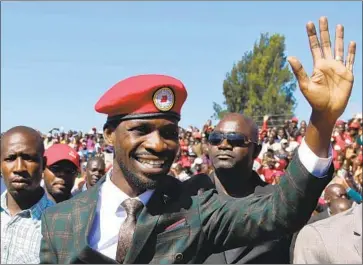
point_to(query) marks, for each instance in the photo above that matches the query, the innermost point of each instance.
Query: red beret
(143, 96)
(58, 152)
(294, 119)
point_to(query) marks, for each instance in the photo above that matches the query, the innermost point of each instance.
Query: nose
(155, 143)
(225, 145)
(20, 165)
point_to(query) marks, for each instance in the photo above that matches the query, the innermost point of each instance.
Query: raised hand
(329, 88)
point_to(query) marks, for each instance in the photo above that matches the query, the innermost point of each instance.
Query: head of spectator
(339, 205)
(302, 131)
(303, 124)
(22, 166)
(286, 124)
(353, 128)
(63, 165)
(281, 133)
(338, 163)
(334, 191)
(284, 144)
(95, 170)
(294, 122)
(233, 147)
(271, 139)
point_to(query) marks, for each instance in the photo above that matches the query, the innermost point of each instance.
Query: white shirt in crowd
(110, 215)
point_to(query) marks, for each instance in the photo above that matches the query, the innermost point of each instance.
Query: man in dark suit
(233, 146)
(139, 214)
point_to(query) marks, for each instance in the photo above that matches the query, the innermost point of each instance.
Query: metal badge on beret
(164, 99)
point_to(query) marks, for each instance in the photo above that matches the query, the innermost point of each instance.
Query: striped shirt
(21, 233)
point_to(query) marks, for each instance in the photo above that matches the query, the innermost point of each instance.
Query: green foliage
(261, 82)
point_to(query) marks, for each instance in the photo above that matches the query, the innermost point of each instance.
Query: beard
(141, 184)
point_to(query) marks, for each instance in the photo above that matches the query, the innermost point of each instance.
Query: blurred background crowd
(278, 145)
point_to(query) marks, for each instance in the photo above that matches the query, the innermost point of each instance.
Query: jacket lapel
(146, 223)
(166, 192)
(85, 215)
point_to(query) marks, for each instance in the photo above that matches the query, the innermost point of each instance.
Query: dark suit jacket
(212, 223)
(270, 252)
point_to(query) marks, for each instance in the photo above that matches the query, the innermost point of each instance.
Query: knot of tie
(132, 207)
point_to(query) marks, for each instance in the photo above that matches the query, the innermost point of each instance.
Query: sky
(58, 58)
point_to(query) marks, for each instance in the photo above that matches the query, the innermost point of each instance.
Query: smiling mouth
(224, 157)
(151, 163)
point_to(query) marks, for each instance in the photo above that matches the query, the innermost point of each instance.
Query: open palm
(329, 88)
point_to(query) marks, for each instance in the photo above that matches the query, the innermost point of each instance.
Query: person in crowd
(95, 170)
(336, 240)
(340, 205)
(233, 148)
(24, 201)
(62, 169)
(293, 129)
(146, 142)
(332, 193)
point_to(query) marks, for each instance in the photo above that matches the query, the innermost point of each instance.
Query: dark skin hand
(329, 88)
(22, 165)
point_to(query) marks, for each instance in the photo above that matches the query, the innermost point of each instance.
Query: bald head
(339, 205)
(244, 124)
(230, 151)
(22, 161)
(24, 132)
(334, 191)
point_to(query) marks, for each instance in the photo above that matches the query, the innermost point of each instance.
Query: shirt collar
(35, 211)
(112, 196)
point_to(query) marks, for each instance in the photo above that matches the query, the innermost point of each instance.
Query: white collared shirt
(109, 216)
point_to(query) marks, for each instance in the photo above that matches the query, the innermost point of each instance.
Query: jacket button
(179, 257)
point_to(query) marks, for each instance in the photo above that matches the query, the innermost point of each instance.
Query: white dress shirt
(109, 217)
(110, 214)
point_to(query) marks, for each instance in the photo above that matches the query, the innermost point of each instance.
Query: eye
(140, 130)
(10, 158)
(169, 134)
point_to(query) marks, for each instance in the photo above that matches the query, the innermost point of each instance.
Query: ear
(257, 150)
(109, 135)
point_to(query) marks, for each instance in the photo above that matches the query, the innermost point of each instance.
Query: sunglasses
(66, 171)
(234, 139)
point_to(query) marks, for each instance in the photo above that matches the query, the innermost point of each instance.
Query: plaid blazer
(178, 227)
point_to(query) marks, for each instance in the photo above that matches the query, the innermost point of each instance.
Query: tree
(261, 82)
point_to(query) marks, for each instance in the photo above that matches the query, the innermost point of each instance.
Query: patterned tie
(127, 229)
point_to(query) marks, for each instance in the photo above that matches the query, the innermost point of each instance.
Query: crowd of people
(144, 190)
(277, 148)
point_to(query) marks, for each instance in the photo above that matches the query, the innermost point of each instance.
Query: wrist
(324, 123)
(318, 134)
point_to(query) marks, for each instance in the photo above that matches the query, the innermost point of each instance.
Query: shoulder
(67, 207)
(331, 227)
(198, 184)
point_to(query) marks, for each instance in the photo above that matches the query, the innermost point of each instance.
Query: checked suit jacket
(208, 223)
